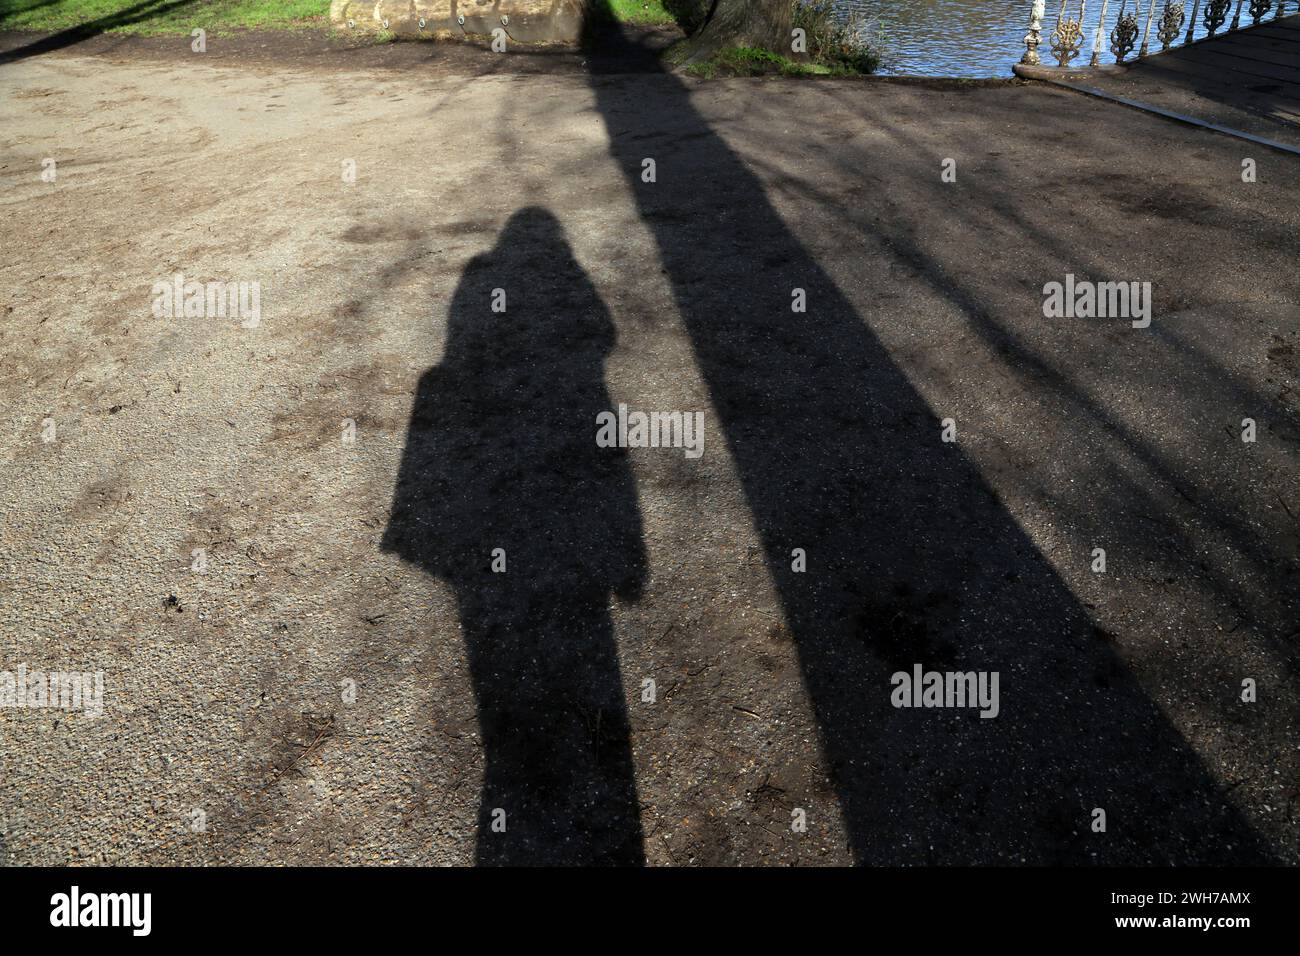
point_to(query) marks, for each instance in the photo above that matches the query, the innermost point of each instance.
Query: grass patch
(161, 17)
(172, 17)
(640, 11)
(751, 61)
(745, 61)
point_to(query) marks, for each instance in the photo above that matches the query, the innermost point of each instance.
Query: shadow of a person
(501, 454)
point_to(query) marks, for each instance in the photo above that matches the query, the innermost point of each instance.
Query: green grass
(747, 61)
(640, 11)
(154, 17)
(751, 61)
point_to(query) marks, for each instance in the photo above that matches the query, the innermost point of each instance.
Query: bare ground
(225, 689)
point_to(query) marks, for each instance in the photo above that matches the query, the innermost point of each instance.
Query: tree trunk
(764, 24)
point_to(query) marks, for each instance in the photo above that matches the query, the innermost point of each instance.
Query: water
(981, 38)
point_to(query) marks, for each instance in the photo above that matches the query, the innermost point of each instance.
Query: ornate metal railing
(1133, 26)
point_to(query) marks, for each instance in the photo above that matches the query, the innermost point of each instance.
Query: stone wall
(525, 21)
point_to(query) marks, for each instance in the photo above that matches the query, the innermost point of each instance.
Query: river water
(980, 38)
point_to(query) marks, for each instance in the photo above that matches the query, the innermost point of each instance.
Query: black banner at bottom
(334, 906)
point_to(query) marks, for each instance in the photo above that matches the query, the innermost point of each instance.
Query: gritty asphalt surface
(228, 692)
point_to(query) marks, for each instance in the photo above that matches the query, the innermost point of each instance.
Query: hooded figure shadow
(501, 454)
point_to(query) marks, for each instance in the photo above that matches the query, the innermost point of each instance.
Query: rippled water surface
(980, 38)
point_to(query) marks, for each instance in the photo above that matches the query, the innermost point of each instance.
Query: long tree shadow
(503, 493)
(911, 558)
(1227, 524)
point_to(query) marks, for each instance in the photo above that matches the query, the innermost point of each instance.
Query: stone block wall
(525, 21)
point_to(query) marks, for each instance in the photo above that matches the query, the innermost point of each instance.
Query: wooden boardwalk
(1247, 80)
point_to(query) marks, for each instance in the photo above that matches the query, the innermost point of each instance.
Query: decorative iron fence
(1133, 28)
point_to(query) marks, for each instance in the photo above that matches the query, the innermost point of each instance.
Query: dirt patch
(321, 49)
(232, 688)
(636, 50)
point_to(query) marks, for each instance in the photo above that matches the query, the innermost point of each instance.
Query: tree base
(760, 24)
